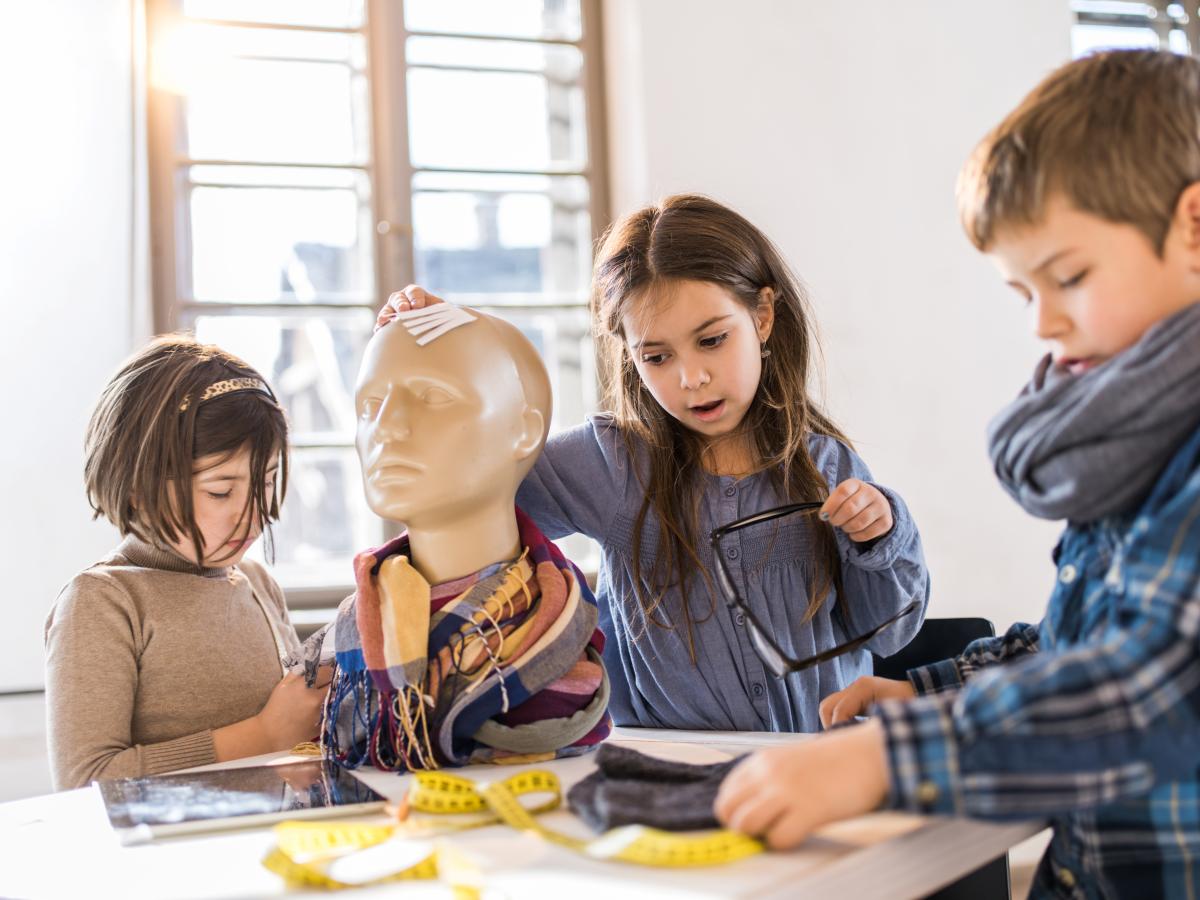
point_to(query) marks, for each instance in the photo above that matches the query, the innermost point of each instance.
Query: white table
(61, 845)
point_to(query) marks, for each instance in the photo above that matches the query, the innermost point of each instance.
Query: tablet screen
(283, 791)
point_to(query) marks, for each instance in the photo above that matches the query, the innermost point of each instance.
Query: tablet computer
(156, 806)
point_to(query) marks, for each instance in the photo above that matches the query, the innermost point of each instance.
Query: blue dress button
(757, 689)
(733, 553)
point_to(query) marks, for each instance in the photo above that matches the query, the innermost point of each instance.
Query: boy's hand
(784, 793)
(412, 297)
(860, 696)
(859, 509)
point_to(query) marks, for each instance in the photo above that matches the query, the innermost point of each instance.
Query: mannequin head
(446, 433)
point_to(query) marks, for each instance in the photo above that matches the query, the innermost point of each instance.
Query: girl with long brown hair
(706, 357)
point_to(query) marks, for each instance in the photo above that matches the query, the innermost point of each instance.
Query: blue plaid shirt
(1091, 719)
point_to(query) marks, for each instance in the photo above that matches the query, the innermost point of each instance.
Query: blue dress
(584, 482)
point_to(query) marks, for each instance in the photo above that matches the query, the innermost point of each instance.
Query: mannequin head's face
(449, 428)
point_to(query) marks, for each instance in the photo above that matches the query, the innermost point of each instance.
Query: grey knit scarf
(1082, 447)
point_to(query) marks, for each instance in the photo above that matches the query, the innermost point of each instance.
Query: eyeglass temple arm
(718, 533)
(834, 652)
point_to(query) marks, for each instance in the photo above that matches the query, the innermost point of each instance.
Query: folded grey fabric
(631, 788)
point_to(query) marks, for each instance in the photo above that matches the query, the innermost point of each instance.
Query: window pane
(488, 120)
(563, 338)
(1085, 38)
(273, 110)
(200, 43)
(1113, 8)
(552, 19)
(324, 521)
(322, 13)
(310, 361)
(266, 244)
(560, 62)
(502, 234)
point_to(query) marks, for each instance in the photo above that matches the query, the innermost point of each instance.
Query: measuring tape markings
(305, 852)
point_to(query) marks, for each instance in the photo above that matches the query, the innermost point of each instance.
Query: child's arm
(947, 675)
(93, 643)
(951, 674)
(578, 482)
(880, 573)
(291, 716)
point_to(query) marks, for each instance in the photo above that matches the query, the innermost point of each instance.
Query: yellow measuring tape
(335, 855)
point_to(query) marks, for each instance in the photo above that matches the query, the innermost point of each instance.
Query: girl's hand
(292, 713)
(859, 509)
(412, 297)
(783, 794)
(860, 696)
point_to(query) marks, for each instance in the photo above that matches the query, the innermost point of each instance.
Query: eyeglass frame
(776, 661)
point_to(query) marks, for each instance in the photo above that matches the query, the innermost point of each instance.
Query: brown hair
(1116, 133)
(150, 425)
(690, 237)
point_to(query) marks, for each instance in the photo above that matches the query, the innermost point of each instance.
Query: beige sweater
(146, 655)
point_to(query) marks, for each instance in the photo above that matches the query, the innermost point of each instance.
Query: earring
(764, 352)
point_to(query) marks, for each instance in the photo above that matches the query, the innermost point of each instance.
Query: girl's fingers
(831, 508)
(862, 520)
(876, 528)
(385, 315)
(412, 297)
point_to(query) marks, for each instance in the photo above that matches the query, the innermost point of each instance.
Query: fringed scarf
(500, 666)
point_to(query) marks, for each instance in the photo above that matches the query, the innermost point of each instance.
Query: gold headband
(228, 386)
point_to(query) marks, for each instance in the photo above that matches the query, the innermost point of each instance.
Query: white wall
(839, 129)
(65, 292)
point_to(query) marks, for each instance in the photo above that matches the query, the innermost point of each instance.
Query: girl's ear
(764, 313)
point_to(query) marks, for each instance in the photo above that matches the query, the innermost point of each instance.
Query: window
(1108, 24)
(309, 156)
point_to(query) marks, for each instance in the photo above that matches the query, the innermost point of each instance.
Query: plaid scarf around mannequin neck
(500, 666)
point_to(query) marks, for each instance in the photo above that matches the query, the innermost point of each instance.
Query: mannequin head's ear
(533, 429)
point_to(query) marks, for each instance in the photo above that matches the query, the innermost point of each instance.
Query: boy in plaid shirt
(1087, 197)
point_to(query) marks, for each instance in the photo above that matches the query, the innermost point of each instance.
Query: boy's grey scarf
(1082, 447)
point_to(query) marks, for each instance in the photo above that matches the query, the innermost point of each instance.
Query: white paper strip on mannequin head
(431, 322)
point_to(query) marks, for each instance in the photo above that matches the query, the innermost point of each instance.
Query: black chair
(941, 639)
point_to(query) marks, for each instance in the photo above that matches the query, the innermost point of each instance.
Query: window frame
(389, 171)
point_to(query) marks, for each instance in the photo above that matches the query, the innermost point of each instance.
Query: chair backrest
(938, 639)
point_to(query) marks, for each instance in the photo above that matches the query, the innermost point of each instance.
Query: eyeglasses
(777, 662)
